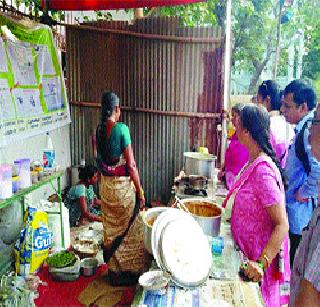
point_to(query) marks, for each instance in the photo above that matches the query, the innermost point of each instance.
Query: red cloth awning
(86, 5)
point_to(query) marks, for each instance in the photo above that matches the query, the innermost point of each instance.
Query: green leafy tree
(254, 31)
(253, 27)
(310, 15)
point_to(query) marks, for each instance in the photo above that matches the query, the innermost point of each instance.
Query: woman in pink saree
(237, 154)
(259, 222)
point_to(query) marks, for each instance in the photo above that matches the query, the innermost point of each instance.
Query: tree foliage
(310, 15)
(254, 29)
(197, 14)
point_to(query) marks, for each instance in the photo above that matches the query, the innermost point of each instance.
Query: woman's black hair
(270, 88)
(87, 172)
(256, 120)
(108, 103)
(238, 107)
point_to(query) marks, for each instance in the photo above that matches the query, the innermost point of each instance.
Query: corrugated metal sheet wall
(169, 80)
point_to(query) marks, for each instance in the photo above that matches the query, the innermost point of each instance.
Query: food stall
(223, 287)
(195, 259)
(220, 283)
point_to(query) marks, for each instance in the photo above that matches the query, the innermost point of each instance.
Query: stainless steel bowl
(88, 266)
(196, 163)
(210, 225)
(146, 217)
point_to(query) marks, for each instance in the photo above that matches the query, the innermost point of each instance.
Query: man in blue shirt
(305, 275)
(298, 103)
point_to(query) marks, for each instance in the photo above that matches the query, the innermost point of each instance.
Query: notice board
(32, 90)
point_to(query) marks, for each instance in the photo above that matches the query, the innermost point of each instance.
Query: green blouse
(80, 190)
(119, 139)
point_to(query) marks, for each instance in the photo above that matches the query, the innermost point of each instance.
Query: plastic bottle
(49, 155)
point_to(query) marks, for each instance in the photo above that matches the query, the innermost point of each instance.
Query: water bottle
(49, 155)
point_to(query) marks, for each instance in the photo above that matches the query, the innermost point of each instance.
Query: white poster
(45, 64)
(22, 63)
(32, 90)
(6, 103)
(52, 93)
(3, 58)
(27, 102)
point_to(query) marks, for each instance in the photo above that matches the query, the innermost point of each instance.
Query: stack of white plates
(180, 248)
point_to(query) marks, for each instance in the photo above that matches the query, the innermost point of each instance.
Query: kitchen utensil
(196, 163)
(69, 273)
(181, 249)
(147, 216)
(210, 225)
(163, 218)
(181, 205)
(88, 266)
(154, 280)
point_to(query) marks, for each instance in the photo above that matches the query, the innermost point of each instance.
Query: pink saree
(236, 157)
(259, 187)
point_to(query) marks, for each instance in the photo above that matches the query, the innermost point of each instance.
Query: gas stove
(191, 186)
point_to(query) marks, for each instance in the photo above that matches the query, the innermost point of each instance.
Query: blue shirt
(299, 214)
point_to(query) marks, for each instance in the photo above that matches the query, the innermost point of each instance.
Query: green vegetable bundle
(62, 259)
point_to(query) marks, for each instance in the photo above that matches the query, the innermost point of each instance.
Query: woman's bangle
(141, 192)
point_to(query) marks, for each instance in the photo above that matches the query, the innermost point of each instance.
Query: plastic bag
(35, 240)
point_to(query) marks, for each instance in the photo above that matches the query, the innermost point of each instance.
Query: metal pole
(227, 70)
(61, 212)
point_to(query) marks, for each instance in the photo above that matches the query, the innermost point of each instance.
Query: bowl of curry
(207, 213)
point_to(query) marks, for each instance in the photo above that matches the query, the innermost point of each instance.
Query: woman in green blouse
(120, 189)
(81, 200)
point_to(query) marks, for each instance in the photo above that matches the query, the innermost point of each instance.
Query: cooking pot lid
(159, 224)
(184, 251)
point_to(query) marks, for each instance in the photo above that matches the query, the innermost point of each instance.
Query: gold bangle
(141, 192)
(266, 258)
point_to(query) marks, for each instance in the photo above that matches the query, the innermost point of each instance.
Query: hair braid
(256, 121)
(264, 142)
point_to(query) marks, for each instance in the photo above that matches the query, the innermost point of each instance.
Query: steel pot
(196, 163)
(88, 266)
(148, 215)
(210, 225)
